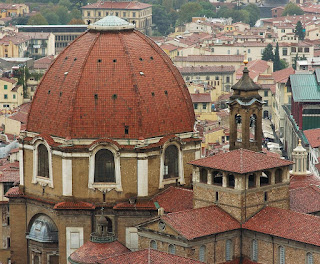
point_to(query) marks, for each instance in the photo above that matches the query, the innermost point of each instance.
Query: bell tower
(245, 114)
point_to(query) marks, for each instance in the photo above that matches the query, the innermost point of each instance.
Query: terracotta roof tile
(211, 58)
(117, 5)
(8, 80)
(74, 206)
(172, 199)
(282, 75)
(286, 224)
(127, 65)
(206, 69)
(305, 200)
(313, 136)
(255, 68)
(175, 199)
(201, 98)
(14, 192)
(246, 161)
(300, 181)
(149, 256)
(96, 252)
(194, 223)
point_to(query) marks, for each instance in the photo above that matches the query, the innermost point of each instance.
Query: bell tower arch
(245, 114)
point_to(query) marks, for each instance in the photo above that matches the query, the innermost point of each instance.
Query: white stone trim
(142, 175)
(70, 230)
(101, 186)
(180, 178)
(21, 166)
(67, 177)
(147, 141)
(38, 179)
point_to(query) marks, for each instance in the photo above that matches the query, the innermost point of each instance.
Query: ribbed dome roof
(113, 83)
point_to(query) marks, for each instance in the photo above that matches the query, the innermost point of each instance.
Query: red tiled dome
(111, 84)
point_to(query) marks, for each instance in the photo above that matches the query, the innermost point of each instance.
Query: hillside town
(160, 131)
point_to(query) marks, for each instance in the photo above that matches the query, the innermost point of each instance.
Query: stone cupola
(299, 157)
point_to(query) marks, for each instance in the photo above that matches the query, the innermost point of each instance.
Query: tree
(292, 9)
(65, 3)
(188, 11)
(52, 18)
(160, 19)
(276, 61)
(254, 13)
(267, 53)
(300, 31)
(75, 21)
(37, 19)
(63, 14)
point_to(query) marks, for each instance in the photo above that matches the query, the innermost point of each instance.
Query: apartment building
(139, 14)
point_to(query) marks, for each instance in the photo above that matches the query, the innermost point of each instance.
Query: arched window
(172, 249)
(104, 166)
(238, 127)
(109, 227)
(203, 175)
(265, 178)
(153, 244)
(231, 181)
(309, 258)
(252, 180)
(217, 178)
(202, 253)
(36, 260)
(278, 176)
(254, 250)
(253, 127)
(171, 167)
(43, 161)
(228, 250)
(282, 256)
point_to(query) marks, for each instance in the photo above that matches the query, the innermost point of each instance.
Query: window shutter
(153, 244)
(309, 258)
(202, 253)
(172, 249)
(228, 250)
(282, 257)
(254, 250)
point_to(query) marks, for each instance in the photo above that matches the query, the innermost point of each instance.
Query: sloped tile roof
(300, 181)
(175, 199)
(96, 252)
(14, 192)
(117, 5)
(201, 98)
(241, 161)
(9, 172)
(305, 200)
(74, 206)
(313, 136)
(211, 58)
(206, 69)
(286, 224)
(282, 75)
(172, 199)
(149, 256)
(201, 222)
